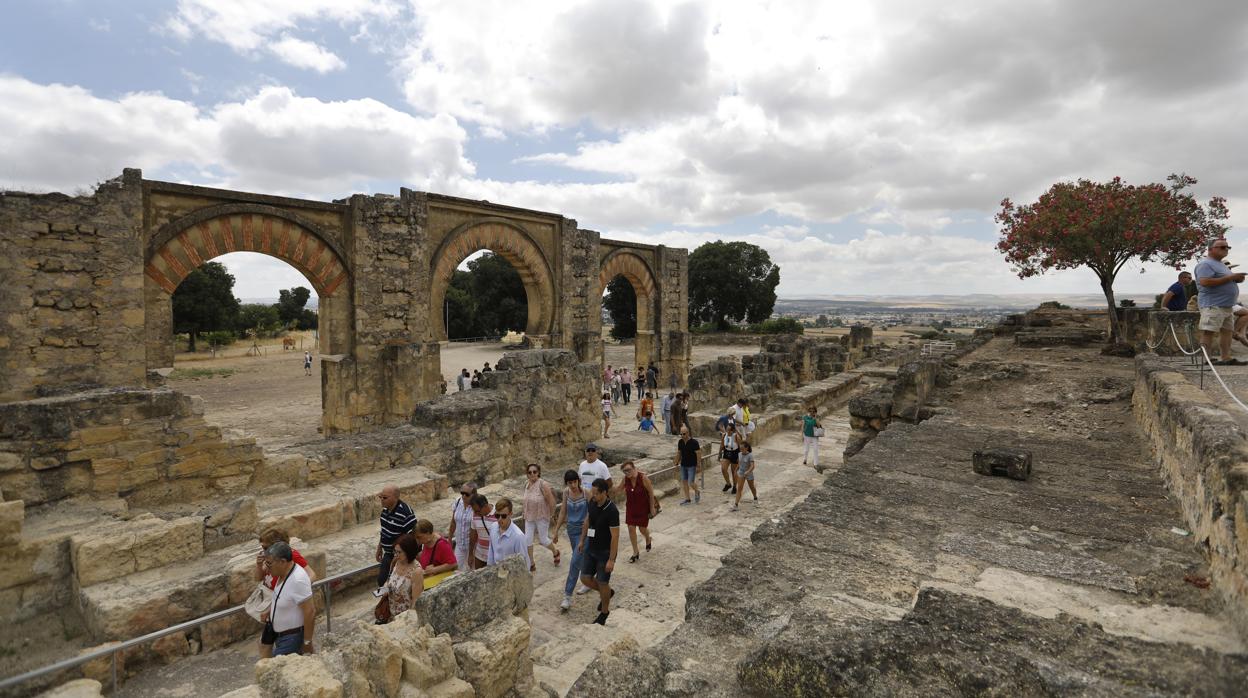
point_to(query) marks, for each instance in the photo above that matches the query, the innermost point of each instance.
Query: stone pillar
(158, 322)
(672, 346)
(578, 298)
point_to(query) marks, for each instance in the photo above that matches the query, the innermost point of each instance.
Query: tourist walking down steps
(600, 545)
(573, 512)
(397, 518)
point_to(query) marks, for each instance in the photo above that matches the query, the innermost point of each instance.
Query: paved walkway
(689, 542)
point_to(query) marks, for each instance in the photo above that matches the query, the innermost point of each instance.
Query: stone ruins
(1118, 567)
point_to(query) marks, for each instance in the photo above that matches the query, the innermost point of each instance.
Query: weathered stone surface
(125, 547)
(465, 602)
(1012, 462)
(951, 644)
(78, 688)
(11, 516)
(495, 657)
(622, 669)
(296, 676)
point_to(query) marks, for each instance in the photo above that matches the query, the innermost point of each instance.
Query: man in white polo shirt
(292, 610)
(591, 469)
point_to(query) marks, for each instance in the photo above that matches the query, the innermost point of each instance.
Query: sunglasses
(465, 494)
(503, 516)
(1221, 247)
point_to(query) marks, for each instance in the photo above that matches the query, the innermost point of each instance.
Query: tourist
(1240, 315)
(602, 531)
(640, 505)
(460, 530)
(539, 505)
(408, 580)
(679, 410)
(615, 386)
(437, 558)
(476, 380)
(292, 611)
(506, 538)
(745, 473)
(487, 368)
(1175, 298)
(652, 379)
(591, 468)
(647, 423)
(640, 382)
(729, 453)
(626, 385)
(646, 405)
(572, 512)
(810, 441)
(606, 414)
(267, 538)
(1219, 290)
(606, 378)
(397, 518)
(463, 381)
(307, 363)
(688, 458)
(666, 406)
(483, 519)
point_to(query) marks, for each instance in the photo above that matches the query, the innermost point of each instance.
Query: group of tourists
(466, 381)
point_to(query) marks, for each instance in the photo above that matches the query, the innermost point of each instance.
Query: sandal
(647, 546)
(634, 558)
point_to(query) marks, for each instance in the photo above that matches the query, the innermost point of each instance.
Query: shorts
(732, 455)
(537, 529)
(1215, 319)
(606, 415)
(688, 472)
(595, 564)
(741, 473)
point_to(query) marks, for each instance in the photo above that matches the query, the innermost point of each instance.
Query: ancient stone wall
(1203, 454)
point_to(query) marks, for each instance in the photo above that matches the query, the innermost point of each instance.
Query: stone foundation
(1203, 454)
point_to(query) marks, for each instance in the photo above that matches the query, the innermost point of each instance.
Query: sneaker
(602, 618)
(734, 490)
(685, 502)
(565, 604)
(582, 589)
(727, 487)
(734, 507)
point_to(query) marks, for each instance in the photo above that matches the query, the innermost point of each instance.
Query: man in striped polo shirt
(397, 518)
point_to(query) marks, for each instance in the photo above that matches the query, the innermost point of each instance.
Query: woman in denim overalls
(575, 508)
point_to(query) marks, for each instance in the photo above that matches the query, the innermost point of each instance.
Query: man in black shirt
(602, 530)
(687, 457)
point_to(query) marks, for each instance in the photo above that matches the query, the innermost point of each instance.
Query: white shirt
(462, 513)
(592, 471)
(296, 589)
(507, 543)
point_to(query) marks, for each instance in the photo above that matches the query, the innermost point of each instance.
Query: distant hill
(967, 301)
(313, 302)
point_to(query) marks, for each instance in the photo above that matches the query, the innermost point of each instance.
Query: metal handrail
(112, 651)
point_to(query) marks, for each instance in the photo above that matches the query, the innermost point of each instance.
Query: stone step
(141, 595)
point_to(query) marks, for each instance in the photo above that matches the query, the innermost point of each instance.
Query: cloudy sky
(865, 145)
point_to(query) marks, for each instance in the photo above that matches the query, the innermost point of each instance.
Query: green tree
(262, 318)
(487, 300)
(290, 304)
(205, 302)
(730, 282)
(621, 303)
(1102, 226)
(821, 321)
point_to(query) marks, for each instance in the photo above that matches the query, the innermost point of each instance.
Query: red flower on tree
(1102, 226)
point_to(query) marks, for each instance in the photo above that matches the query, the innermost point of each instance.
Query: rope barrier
(1200, 348)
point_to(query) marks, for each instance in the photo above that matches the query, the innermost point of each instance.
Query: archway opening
(247, 339)
(486, 312)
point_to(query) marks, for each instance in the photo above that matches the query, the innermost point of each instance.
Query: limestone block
(11, 516)
(296, 676)
(427, 659)
(451, 688)
(461, 604)
(495, 656)
(125, 547)
(624, 666)
(78, 688)
(18, 565)
(475, 452)
(93, 436)
(251, 691)
(11, 462)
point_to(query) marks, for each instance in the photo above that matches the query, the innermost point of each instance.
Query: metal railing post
(113, 668)
(329, 607)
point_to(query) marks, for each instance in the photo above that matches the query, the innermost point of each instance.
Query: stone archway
(513, 244)
(635, 269)
(181, 246)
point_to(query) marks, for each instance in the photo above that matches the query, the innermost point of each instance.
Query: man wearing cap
(1218, 290)
(591, 468)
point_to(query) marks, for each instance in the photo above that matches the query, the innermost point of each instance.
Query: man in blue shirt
(1176, 296)
(1218, 289)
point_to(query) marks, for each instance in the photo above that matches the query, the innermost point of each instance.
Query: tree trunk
(1107, 286)
(191, 346)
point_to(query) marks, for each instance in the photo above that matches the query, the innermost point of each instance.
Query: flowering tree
(1102, 226)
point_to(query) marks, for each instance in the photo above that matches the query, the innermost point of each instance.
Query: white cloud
(253, 26)
(305, 54)
(63, 137)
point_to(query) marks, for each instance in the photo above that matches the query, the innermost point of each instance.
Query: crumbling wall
(1203, 454)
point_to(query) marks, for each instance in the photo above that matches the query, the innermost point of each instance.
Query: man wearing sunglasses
(460, 531)
(1218, 290)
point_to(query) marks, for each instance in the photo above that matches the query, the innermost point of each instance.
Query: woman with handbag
(405, 582)
(539, 506)
(640, 505)
(437, 559)
(811, 431)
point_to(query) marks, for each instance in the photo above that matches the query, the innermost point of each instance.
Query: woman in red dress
(640, 505)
